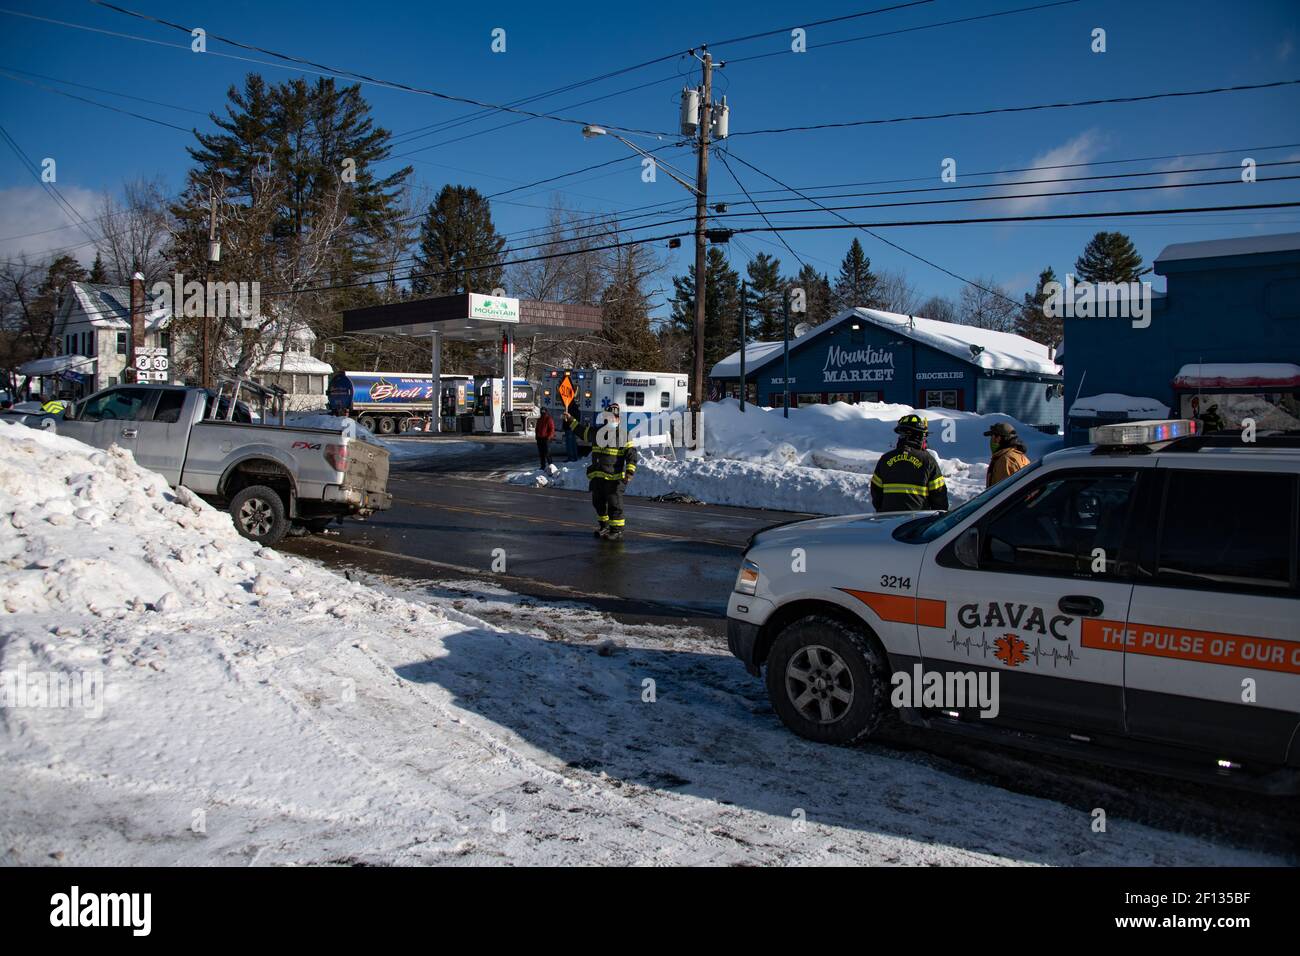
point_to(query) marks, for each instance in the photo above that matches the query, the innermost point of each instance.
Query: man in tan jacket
(1008, 453)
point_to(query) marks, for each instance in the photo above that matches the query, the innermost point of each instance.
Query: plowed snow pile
(175, 694)
(818, 460)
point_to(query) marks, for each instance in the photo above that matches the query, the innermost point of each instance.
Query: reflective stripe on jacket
(613, 463)
(908, 479)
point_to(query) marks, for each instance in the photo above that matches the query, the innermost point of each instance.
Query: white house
(95, 321)
(295, 369)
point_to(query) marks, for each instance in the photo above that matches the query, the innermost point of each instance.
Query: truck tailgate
(367, 469)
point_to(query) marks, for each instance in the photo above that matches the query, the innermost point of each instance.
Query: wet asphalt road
(452, 512)
(676, 567)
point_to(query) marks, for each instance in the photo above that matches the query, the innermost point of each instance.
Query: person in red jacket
(545, 432)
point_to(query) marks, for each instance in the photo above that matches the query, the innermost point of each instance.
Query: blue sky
(1033, 57)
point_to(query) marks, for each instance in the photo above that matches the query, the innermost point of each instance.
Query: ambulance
(653, 404)
(1134, 602)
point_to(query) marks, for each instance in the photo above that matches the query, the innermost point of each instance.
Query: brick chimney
(137, 326)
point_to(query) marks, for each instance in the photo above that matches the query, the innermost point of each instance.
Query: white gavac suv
(1138, 600)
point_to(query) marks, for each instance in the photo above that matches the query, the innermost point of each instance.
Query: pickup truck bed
(267, 476)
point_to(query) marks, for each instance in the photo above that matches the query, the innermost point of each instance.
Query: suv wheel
(259, 514)
(827, 682)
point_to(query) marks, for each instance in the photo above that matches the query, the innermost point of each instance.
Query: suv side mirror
(966, 549)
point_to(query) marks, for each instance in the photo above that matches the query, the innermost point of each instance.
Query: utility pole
(701, 216)
(744, 288)
(214, 255)
(785, 335)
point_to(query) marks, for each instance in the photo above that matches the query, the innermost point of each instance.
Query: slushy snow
(175, 694)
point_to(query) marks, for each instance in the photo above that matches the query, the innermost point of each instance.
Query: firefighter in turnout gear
(612, 466)
(908, 478)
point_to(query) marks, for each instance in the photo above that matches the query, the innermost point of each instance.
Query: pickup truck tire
(259, 514)
(826, 681)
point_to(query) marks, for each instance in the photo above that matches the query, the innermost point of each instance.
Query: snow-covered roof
(1116, 405)
(302, 363)
(999, 350)
(755, 354)
(1219, 248)
(1003, 351)
(1238, 375)
(53, 366)
(109, 306)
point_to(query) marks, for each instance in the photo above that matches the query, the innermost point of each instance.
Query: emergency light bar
(1143, 433)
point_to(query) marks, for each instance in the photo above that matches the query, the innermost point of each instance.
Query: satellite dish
(802, 329)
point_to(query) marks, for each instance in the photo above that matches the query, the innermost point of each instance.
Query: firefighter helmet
(913, 425)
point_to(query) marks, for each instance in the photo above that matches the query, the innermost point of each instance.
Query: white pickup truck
(267, 476)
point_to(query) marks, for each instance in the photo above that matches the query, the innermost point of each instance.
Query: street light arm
(658, 162)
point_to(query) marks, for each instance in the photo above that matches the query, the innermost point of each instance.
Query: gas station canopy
(473, 318)
(470, 317)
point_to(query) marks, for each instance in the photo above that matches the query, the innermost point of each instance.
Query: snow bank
(351, 428)
(819, 460)
(237, 706)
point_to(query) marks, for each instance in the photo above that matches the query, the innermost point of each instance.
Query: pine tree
(721, 310)
(763, 299)
(98, 273)
(307, 152)
(856, 285)
(818, 299)
(45, 306)
(459, 249)
(1033, 321)
(1109, 257)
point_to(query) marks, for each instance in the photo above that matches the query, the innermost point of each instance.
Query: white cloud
(33, 218)
(1081, 149)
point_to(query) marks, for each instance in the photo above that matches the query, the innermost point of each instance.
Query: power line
(819, 226)
(1030, 169)
(471, 117)
(391, 84)
(820, 23)
(924, 26)
(97, 89)
(1019, 182)
(888, 242)
(49, 187)
(106, 106)
(1190, 210)
(722, 155)
(1021, 109)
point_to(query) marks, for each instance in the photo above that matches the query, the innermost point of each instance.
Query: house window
(941, 398)
(809, 398)
(871, 396)
(121, 343)
(165, 341)
(85, 343)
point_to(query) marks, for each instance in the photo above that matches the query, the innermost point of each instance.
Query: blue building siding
(871, 363)
(1033, 402)
(1238, 309)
